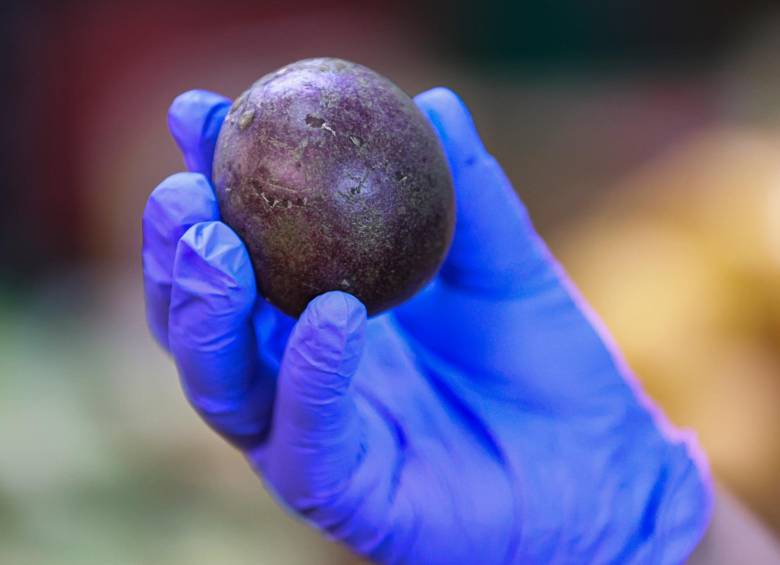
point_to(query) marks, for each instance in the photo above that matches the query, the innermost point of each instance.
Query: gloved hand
(487, 420)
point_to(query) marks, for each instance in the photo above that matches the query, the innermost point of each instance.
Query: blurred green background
(644, 138)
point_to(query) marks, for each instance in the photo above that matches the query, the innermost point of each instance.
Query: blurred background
(643, 136)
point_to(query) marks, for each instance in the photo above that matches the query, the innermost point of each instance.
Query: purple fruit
(334, 180)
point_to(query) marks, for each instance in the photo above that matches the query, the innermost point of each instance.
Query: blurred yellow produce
(682, 262)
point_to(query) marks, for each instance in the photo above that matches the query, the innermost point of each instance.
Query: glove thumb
(316, 443)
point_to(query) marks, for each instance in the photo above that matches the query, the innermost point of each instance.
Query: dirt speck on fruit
(314, 121)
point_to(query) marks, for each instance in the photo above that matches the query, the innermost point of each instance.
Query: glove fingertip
(329, 334)
(212, 263)
(180, 200)
(336, 311)
(453, 123)
(194, 120)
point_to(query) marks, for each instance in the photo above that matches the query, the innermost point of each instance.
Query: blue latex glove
(487, 420)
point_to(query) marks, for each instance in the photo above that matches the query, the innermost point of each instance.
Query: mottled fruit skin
(334, 180)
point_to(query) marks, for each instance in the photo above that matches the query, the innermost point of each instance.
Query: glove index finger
(194, 119)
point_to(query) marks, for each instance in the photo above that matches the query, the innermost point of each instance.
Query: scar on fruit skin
(315, 122)
(246, 119)
(239, 102)
(273, 202)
